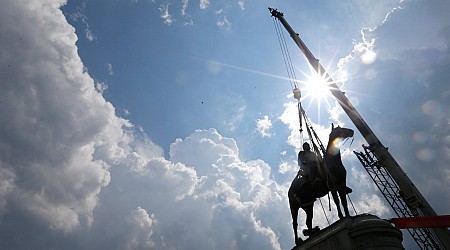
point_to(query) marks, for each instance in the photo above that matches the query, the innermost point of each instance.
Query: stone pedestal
(362, 232)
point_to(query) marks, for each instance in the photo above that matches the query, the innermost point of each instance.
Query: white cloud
(364, 50)
(204, 183)
(133, 230)
(184, 6)
(204, 4)
(83, 18)
(54, 118)
(140, 234)
(101, 87)
(110, 69)
(295, 139)
(165, 15)
(73, 166)
(231, 186)
(222, 20)
(241, 5)
(233, 113)
(204, 141)
(290, 168)
(263, 126)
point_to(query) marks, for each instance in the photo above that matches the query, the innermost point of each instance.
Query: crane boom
(414, 199)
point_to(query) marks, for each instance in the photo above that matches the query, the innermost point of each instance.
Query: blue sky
(137, 124)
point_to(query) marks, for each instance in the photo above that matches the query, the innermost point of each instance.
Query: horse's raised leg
(338, 205)
(342, 194)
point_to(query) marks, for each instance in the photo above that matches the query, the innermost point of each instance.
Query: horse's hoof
(311, 232)
(315, 231)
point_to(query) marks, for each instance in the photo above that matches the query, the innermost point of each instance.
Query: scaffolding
(391, 192)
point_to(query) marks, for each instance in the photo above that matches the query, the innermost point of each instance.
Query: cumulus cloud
(82, 177)
(138, 233)
(204, 179)
(286, 167)
(290, 118)
(141, 235)
(263, 126)
(232, 186)
(53, 119)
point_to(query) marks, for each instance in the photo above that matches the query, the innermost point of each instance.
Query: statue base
(363, 231)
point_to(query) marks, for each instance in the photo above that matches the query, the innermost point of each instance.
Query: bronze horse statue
(303, 194)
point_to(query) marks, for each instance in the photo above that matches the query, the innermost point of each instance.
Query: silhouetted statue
(303, 194)
(309, 162)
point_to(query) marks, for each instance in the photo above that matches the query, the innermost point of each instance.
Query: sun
(315, 90)
(316, 87)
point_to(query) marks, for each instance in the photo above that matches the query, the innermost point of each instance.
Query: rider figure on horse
(308, 162)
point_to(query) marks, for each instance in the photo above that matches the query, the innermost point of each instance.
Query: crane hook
(297, 93)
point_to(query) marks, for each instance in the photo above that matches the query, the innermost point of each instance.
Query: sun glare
(315, 90)
(316, 87)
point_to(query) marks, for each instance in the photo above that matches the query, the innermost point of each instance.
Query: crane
(403, 196)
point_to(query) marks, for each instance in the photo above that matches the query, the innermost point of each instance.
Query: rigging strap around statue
(314, 139)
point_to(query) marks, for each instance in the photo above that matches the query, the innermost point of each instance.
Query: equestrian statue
(318, 176)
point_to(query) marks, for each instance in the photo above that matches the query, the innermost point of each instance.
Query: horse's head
(340, 133)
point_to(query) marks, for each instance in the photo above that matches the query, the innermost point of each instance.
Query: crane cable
(301, 112)
(296, 91)
(290, 72)
(286, 55)
(319, 149)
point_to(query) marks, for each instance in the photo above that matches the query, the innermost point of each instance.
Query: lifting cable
(315, 140)
(323, 209)
(348, 196)
(290, 71)
(297, 94)
(286, 55)
(317, 143)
